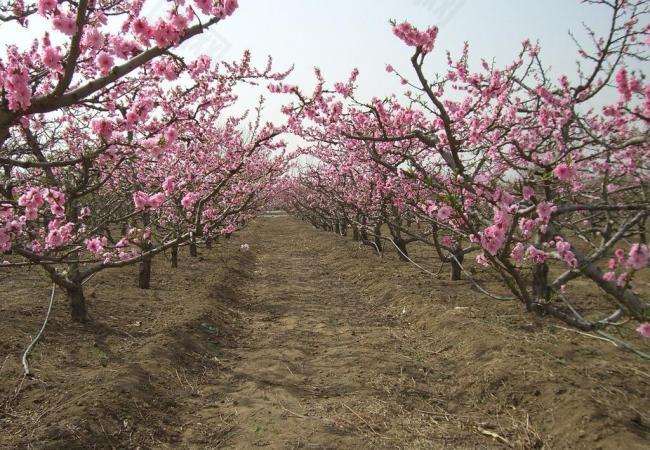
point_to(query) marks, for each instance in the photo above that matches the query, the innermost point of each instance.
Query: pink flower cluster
(14, 79)
(59, 234)
(103, 127)
(169, 185)
(564, 172)
(644, 329)
(189, 200)
(34, 198)
(564, 250)
(228, 229)
(424, 40)
(96, 245)
(492, 237)
(142, 200)
(637, 258)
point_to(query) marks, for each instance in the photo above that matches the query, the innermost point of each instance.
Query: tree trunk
(402, 252)
(541, 290)
(208, 243)
(456, 270)
(78, 310)
(377, 233)
(175, 256)
(355, 233)
(144, 272)
(194, 251)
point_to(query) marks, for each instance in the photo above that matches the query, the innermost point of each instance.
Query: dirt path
(312, 351)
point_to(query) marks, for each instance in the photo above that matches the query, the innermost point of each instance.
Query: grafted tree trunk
(175, 256)
(77, 302)
(402, 252)
(194, 251)
(377, 232)
(355, 233)
(456, 270)
(144, 272)
(343, 228)
(540, 286)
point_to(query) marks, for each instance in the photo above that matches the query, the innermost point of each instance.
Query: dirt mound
(119, 381)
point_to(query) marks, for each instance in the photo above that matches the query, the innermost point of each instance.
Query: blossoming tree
(101, 127)
(526, 168)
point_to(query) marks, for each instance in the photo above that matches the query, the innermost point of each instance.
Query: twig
(362, 419)
(40, 332)
(494, 435)
(294, 413)
(621, 343)
(609, 338)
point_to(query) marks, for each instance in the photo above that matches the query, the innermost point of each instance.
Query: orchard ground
(307, 341)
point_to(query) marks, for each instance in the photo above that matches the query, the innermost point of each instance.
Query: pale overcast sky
(339, 35)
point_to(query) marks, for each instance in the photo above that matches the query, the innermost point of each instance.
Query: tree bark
(456, 270)
(78, 310)
(144, 269)
(540, 286)
(175, 256)
(355, 233)
(377, 232)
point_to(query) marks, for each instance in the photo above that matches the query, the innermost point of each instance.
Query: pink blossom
(228, 229)
(156, 200)
(171, 134)
(644, 329)
(638, 256)
(169, 184)
(96, 245)
(564, 172)
(103, 127)
(444, 213)
(535, 254)
(93, 38)
(545, 210)
(527, 192)
(140, 199)
(51, 59)
(518, 252)
(45, 6)
(609, 276)
(414, 38)
(105, 62)
(189, 200)
(54, 239)
(623, 85)
(66, 24)
(122, 243)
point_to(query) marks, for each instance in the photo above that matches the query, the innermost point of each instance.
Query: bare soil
(307, 341)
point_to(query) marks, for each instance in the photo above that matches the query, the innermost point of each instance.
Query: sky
(339, 35)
